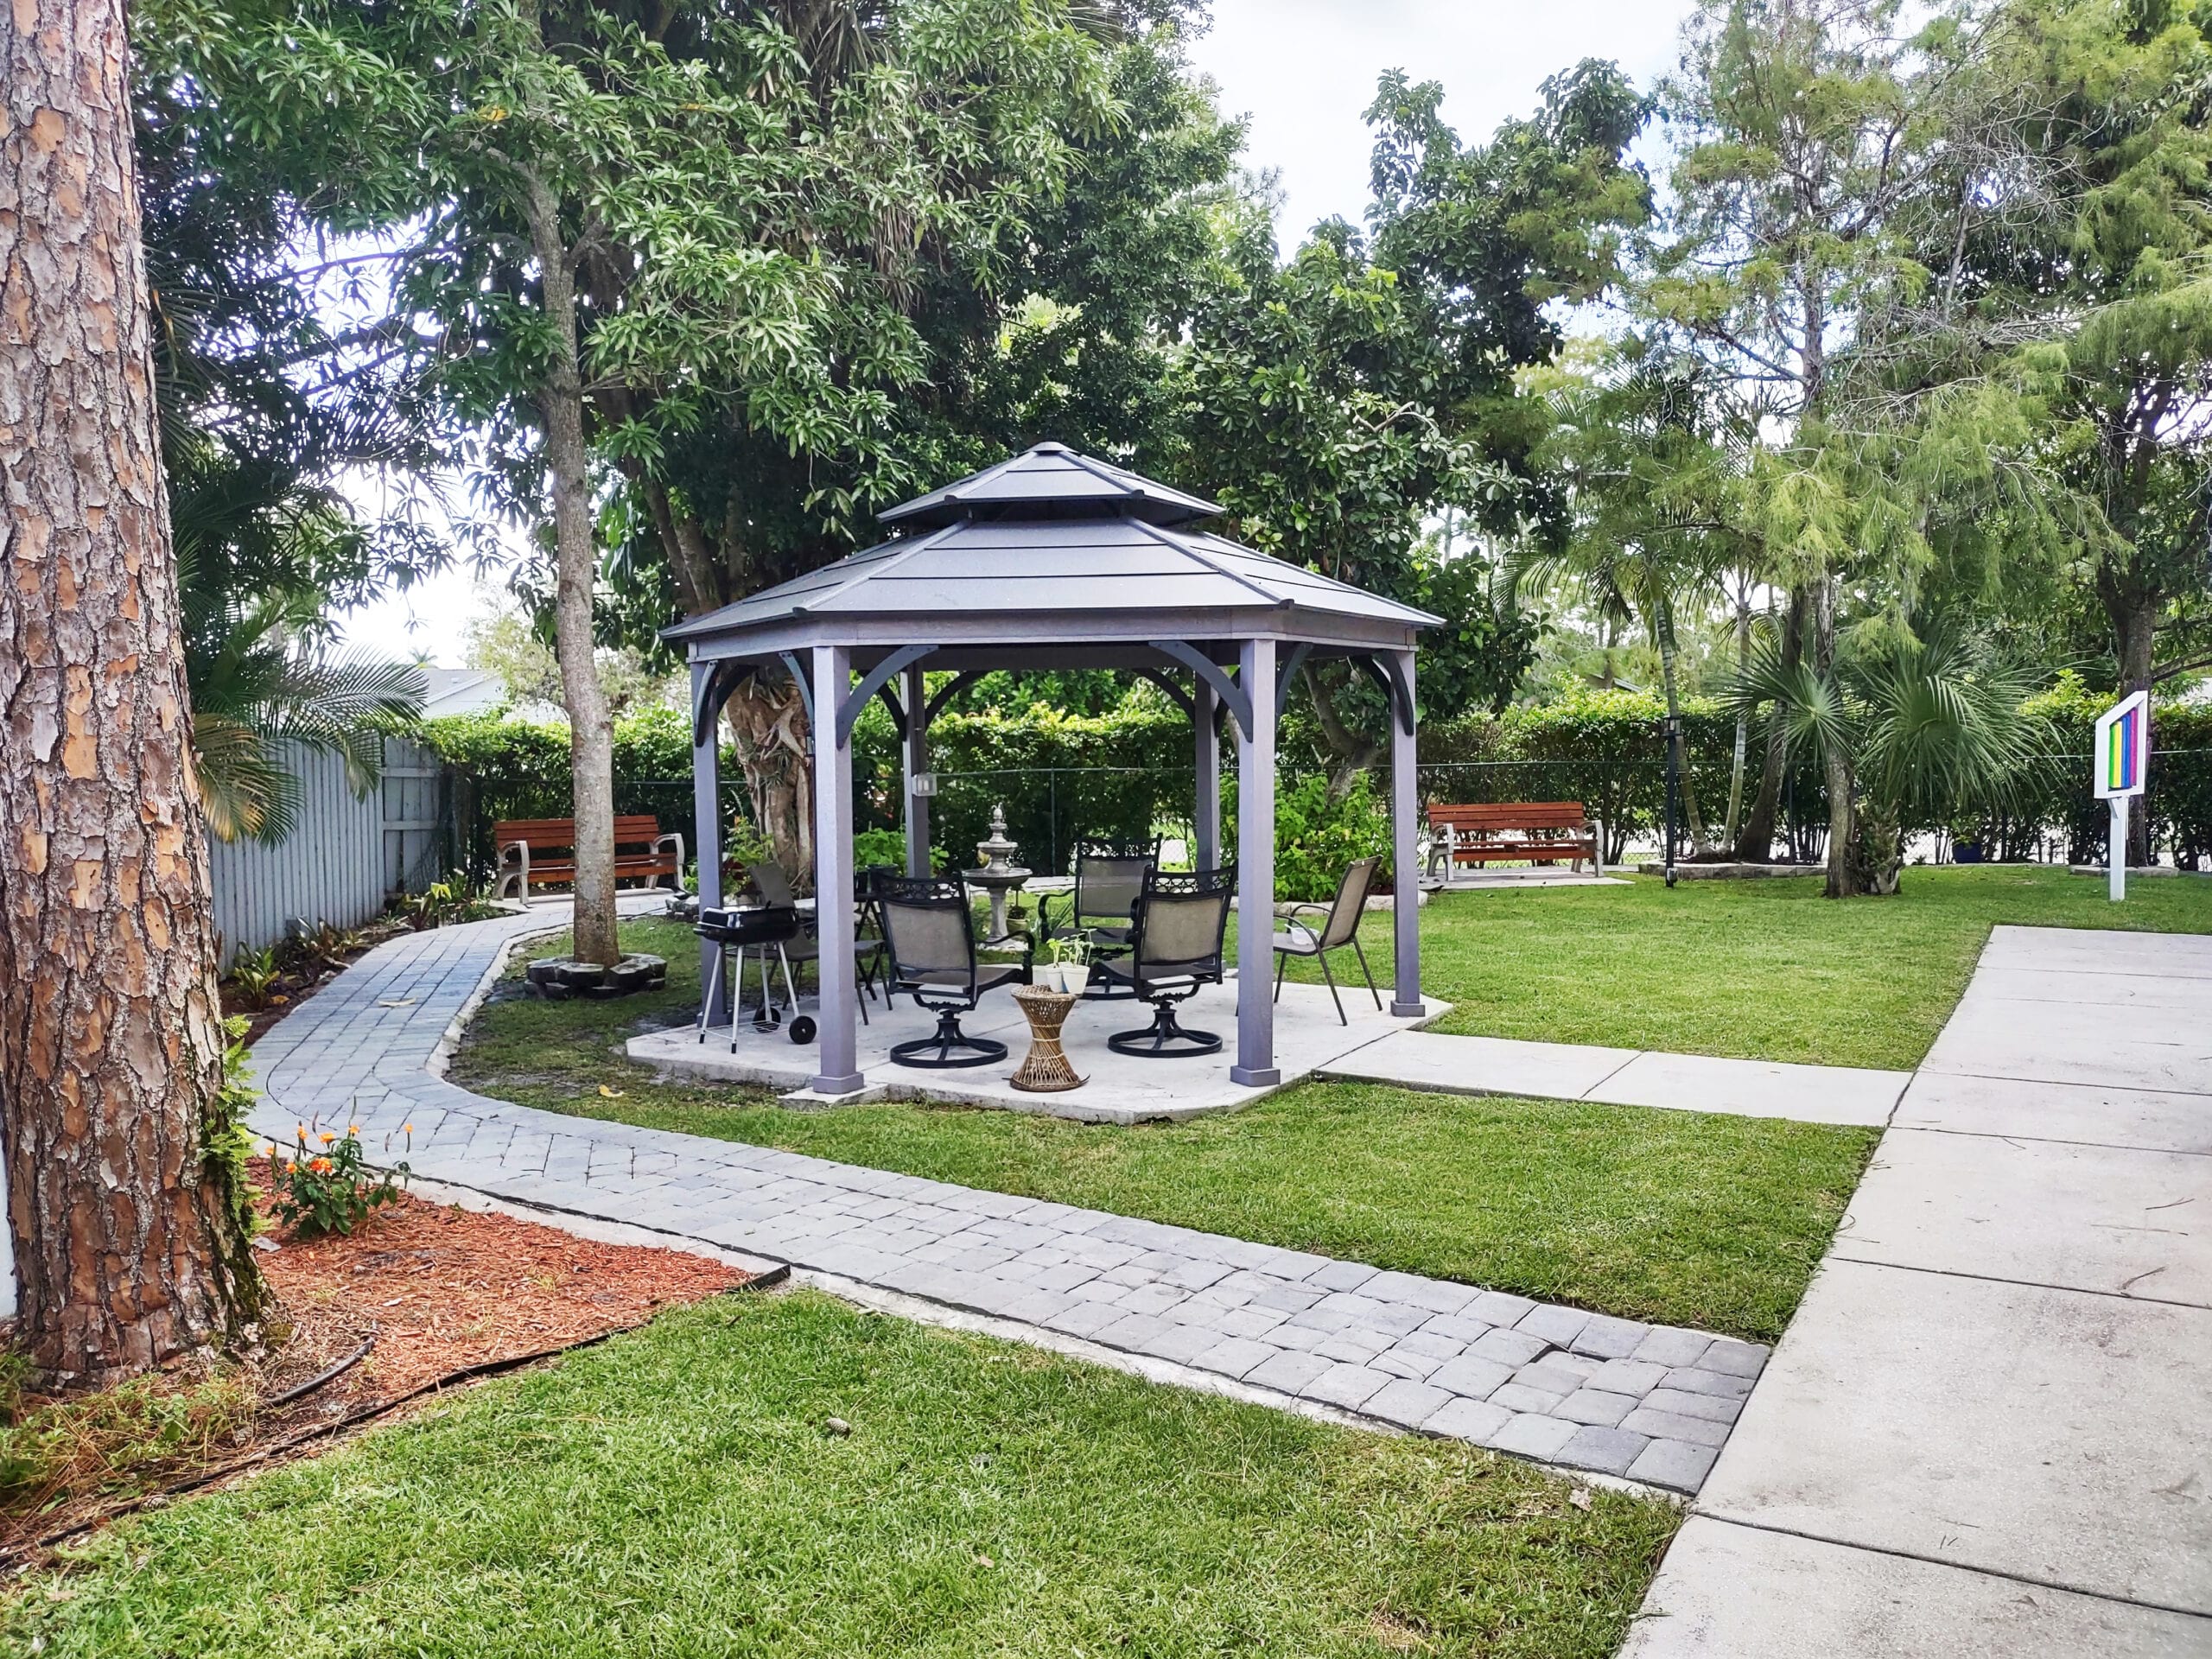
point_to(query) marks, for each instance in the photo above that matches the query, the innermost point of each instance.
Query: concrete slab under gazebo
(1055, 561)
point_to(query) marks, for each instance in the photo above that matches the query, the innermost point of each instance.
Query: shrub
(1316, 834)
(333, 1190)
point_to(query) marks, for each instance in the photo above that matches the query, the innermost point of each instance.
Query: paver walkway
(1651, 1402)
(1988, 1430)
(1625, 1076)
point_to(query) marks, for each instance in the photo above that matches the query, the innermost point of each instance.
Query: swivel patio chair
(1175, 947)
(929, 929)
(1109, 880)
(1339, 927)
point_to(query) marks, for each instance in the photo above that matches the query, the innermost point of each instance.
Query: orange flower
(407, 1129)
(326, 1137)
(353, 1128)
(321, 1166)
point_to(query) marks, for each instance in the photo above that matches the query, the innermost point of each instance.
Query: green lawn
(1683, 1217)
(1767, 970)
(675, 1493)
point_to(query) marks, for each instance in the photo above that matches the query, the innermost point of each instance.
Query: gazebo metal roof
(1052, 547)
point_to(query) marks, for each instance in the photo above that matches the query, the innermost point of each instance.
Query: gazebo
(1055, 560)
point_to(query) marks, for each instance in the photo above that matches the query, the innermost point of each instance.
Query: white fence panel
(344, 857)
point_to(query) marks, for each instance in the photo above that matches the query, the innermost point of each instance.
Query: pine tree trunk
(591, 727)
(1698, 846)
(1835, 760)
(125, 1200)
(1743, 724)
(1754, 843)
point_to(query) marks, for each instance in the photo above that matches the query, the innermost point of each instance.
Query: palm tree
(259, 681)
(1925, 728)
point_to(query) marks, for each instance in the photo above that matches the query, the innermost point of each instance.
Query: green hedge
(1604, 749)
(2180, 793)
(1118, 776)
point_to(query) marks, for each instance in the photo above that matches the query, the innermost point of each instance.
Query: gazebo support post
(1205, 800)
(706, 815)
(1405, 857)
(1255, 871)
(918, 762)
(833, 875)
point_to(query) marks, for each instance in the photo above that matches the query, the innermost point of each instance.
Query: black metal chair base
(1164, 1039)
(949, 1049)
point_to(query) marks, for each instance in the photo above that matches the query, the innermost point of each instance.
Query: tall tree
(1807, 127)
(1340, 401)
(125, 1193)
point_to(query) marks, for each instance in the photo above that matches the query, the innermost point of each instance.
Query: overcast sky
(1302, 71)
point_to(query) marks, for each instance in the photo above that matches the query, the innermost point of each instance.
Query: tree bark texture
(591, 725)
(1843, 868)
(123, 1192)
(767, 717)
(1755, 844)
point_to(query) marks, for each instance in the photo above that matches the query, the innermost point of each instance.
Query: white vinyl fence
(344, 858)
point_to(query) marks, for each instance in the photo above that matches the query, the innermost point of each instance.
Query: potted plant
(1069, 971)
(1970, 840)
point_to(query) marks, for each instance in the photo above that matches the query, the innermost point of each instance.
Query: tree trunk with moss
(125, 1186)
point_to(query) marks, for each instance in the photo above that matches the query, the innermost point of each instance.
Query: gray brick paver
(1654, 1402)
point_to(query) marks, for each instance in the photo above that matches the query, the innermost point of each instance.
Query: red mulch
(437, 1294)
(442, 1289)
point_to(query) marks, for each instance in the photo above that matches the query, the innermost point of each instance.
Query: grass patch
(1761, 970)
(109, 1442)
(1682, 1217)
(675, 1493)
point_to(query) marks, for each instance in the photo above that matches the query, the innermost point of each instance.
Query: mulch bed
(420, 1298)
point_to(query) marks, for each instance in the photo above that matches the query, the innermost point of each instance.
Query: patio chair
(804, 942)
(929, 929)
(1339, 927)
(1109, 880)
(1175, 947)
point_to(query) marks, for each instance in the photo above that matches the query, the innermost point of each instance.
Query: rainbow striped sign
(2123, 747)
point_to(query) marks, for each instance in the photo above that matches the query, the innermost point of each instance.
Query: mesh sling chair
(1175, 947)
(1339, 928)
(805, 943)
(1109, 881)
(929, 929)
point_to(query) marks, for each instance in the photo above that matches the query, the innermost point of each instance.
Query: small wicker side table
(1045, 1069)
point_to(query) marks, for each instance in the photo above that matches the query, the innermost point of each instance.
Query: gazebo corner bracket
(1231, 693)
(1291, 664)
(877, 679)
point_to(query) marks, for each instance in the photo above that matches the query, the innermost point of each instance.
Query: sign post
(2121, 765)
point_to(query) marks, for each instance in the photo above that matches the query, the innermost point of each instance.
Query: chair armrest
(675, 840)
(1044, 911)
(1312, 935)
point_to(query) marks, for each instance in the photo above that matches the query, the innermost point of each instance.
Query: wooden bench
(535, 852)
(1538, 832)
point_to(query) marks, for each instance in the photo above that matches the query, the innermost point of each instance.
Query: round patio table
(1045, 1069)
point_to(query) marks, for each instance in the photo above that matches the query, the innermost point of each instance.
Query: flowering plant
(331, 1190)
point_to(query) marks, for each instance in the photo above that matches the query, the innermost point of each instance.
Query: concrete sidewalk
(1986, 1432)
(1624, 1077)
